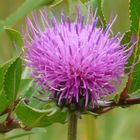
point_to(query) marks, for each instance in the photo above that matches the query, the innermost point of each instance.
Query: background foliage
(119, 124)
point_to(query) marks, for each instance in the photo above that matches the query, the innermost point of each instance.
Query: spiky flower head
(77, 61)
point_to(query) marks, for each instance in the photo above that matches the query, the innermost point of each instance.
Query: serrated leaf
(134, 15)
(12, 80)
(3, 69)
(135, 29)
(135, 85)
(16, 39)
(126, 39)
(4, 102)
(39, 118)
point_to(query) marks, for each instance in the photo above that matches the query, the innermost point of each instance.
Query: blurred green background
(119, 124)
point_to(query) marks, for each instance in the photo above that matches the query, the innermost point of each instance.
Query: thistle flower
(77, 61)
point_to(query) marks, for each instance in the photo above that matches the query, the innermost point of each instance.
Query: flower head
(77, 61)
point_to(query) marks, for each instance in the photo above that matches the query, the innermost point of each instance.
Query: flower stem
(72, 127)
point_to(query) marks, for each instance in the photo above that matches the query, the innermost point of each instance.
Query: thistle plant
(72, 65)
(78, 62)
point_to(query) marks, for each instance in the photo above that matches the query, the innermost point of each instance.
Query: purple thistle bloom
(75, 60)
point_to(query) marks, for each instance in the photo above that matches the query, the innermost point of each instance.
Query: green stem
(72, 127)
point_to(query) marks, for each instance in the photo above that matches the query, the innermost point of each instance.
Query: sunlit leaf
(25, 87)
(16, 39)
(12, 80)
(23, 10)
(4, 102)
(39, 118)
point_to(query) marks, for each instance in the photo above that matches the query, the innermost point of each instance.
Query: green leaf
(4, 102)
(23, 10)
(135, 85)
(135, 29)
(126, 37)
(125, 40)
(3, 70)
(28, 88)
(4, 99)
(134, 15)
(136, 94)
(39, 118)
(15, 37)
(12, 80)
(25, 86)
(3, 117)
